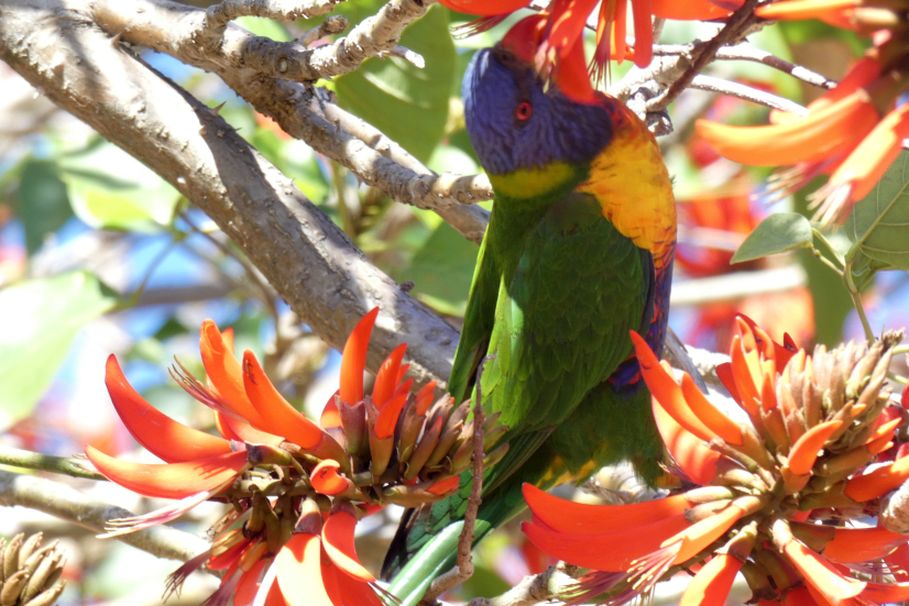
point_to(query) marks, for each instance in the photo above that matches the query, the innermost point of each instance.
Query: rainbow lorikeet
(578, 252)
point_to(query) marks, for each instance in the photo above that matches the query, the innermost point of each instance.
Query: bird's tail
(426, 543)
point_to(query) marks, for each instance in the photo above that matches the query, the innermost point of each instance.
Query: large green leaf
(110, 189)
(41, 200)
(442, 269)
(780, 232)
(407, 103)
(879, 224)
(42, 317)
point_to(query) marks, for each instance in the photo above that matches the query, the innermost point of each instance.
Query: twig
(736, 24)
(27, 459)
(219, 15)
(748, 93)
(333, 24)
(65, 502)
(292, 243)
(464, 568)
(258, 69)
(747, 52)
(266, 292)
(372, 36)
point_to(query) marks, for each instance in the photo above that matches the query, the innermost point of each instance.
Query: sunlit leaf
(442, 269)
(780, 232)
(879, 224)
(42, 202)
(407, 103)
(268, 28)
(42, 317)
(110, 189)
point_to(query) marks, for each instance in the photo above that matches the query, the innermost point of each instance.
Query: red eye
(523, 111)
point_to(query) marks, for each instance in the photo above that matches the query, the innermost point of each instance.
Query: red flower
(854, 132)
(556, 40)
(288, 536)
(775, 494)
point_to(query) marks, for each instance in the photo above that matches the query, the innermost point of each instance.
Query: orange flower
(777, 491)
(289, 480)
(852, 133)
(555, 35)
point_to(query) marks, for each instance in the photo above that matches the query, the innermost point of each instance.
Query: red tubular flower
(777, 493)
(557, 35)
(855, 131)
(288, 537)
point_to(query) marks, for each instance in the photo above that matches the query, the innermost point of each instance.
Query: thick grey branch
(172, 28)
(65, 502)
(326, 280)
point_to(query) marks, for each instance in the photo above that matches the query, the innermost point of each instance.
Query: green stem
(857, 302)
(831, 256)
(27, 459)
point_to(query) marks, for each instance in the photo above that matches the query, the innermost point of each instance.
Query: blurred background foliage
(99, 255)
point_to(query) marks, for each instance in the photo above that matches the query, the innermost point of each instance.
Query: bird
(578, 252)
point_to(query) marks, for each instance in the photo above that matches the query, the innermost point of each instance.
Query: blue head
(515, 124)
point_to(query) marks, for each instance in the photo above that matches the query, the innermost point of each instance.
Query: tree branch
(260, 71)
(309, 262)
(748, 93)
(63, 501)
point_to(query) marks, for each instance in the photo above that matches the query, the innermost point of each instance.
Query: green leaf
(442, 269)
(110, 189)
(407, 103)
(267, 28)
(43, 317)
(879, 224)
(42, 202)
(780, 232)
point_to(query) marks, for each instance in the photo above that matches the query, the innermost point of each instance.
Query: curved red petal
(249, 584)
(345, 591)
(170, 480)
(299, 572)
(805, 450)
(338, 542)
(693, 456)
(484, 8)
(277, 415)
(711, 584)
(388, 416)
(820, 575)
(326, 479)
(666, 392)
(224, 371)
(157, 432)
(567, 516)
(386, 378)
(611, 551)
(643, 32)
(689, 10)
(862, 544)
(353, 359)
(881, 480)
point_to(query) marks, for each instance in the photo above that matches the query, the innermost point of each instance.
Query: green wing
(478, 319)
(561, 323)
